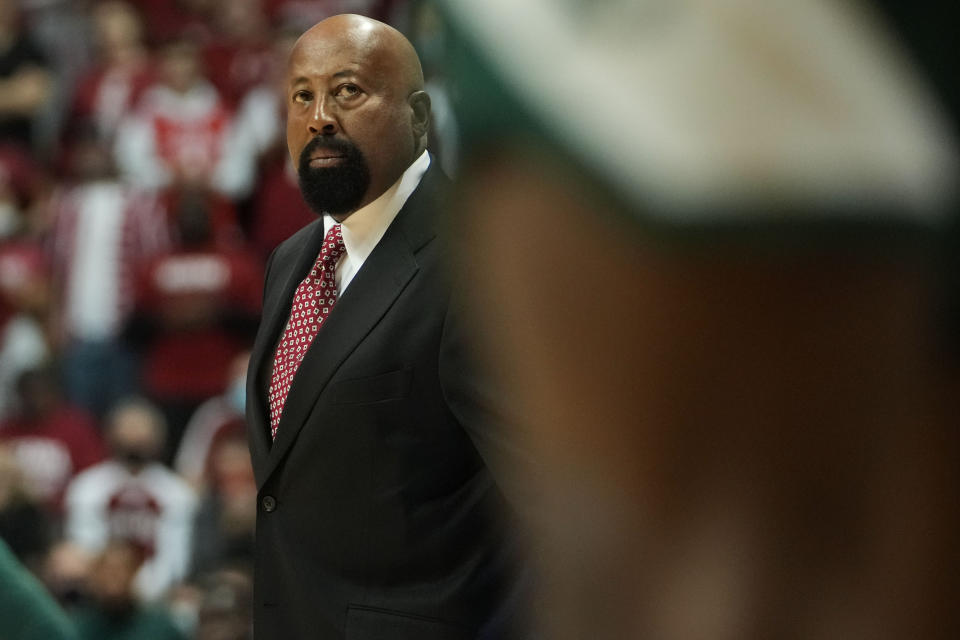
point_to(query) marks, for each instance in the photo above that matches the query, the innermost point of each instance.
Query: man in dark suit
(371, 437)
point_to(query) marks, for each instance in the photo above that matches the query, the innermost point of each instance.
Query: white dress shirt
(364, 227)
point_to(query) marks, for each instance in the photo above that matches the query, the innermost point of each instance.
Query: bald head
(357, 113)
(391, 48)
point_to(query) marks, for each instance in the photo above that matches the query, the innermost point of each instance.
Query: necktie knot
(332, 247)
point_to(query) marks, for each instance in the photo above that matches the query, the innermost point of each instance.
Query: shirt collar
(364, 227)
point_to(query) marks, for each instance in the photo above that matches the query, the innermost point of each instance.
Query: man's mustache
(342, 147)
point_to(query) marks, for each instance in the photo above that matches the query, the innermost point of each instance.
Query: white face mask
(237, 395)
(9, 219)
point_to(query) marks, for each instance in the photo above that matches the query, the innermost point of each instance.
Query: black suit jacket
(378, 516)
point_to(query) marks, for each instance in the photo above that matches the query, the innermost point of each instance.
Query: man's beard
(338, 189)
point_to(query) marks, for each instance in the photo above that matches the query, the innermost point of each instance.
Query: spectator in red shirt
(51, 440)
(197, 307)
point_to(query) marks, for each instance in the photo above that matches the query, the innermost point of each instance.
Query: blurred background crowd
(144, 180)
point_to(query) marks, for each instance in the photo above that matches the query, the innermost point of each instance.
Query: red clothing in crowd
(105, 94)
(173, 135)
(102, 232)
(309, 12)
(194, 300)
(235, 68)
(169, 19)
(278, 209)
(23, 265)
(52, 449)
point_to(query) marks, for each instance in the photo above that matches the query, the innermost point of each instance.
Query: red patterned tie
(312, 302)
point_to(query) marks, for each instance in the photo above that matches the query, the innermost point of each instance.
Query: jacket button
(269, 503)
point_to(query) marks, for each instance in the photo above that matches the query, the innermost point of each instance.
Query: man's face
(349, 123)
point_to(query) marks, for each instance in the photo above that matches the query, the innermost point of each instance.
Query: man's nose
(323, 121)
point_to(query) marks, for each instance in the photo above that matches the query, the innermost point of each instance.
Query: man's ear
(420, 107)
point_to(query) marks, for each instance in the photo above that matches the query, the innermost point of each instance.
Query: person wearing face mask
(131, 496)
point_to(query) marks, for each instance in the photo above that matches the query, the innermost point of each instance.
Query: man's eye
(302, 96)
(347, 91)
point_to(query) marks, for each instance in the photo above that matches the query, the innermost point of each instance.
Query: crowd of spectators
(144, 180)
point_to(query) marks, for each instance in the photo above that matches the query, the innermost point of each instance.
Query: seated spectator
(51, 440)
(197, 303)
(133, 497)
(114, 612)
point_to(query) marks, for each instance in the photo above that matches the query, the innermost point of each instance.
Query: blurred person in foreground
(703, 238)
(27, 612)
(379, 515)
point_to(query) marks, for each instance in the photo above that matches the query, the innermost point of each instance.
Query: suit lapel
(374, 289)
(372, 292)
(277, 305)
